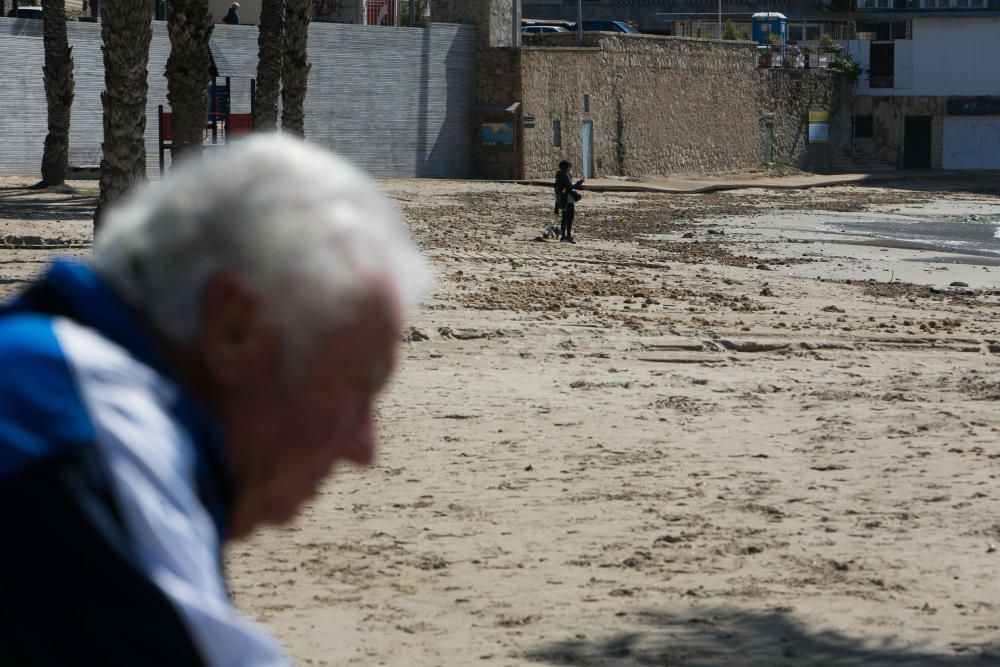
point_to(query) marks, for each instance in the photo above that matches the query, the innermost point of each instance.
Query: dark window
(586, 103)
(863, 127)
(899, 30)
(882, 65)
(557, 133)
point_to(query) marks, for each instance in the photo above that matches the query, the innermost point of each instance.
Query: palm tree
(58, 91)
(126, 29)
(270, 38)
(294, 66)
(189, 70)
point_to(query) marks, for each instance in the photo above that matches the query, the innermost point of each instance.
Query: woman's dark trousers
(566, 227)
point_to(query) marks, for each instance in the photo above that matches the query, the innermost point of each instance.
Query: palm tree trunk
(189, 70)
(294, 66)
(270, 40)
(58, 91)
(126, 29)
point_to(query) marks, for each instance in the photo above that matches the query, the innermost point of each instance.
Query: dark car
(25, 13)
(607, 26)
(536, 29)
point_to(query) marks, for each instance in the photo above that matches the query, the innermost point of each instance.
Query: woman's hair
(564, 165)
(303, 228)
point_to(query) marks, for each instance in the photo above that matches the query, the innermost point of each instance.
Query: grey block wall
(396, 101)
(23, 122)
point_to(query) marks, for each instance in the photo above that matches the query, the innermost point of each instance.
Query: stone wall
(787, 97)
(498, 94)
(493, 18)
(668, 105)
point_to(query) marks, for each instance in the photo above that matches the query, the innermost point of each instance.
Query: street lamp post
(579, 22)
(720, 19)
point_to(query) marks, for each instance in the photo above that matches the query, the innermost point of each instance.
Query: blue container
(765, 23)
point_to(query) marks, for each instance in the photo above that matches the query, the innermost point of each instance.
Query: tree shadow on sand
(26, 203)
(727, 637)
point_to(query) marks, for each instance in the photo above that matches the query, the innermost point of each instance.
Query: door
(768, 142)
(588, 149)
(917, 142)
(971, 142)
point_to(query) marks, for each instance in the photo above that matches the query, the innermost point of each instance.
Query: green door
(769, 142)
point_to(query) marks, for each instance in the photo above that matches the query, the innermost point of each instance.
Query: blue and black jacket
(113, 493)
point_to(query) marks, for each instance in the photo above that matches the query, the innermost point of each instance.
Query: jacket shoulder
(41, 412)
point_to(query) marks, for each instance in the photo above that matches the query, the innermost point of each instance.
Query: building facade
(683, 18)
(929, 96)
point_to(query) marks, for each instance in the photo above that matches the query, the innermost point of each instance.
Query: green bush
(846, 66)
(731, 32)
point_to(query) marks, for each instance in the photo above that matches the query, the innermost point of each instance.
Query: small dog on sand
(551, 232)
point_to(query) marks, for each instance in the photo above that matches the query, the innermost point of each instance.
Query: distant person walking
(566, 198)
(233, 17)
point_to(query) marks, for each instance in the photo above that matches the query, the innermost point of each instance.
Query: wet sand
(733, 444)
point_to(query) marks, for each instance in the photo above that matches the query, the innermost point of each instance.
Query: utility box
(766, 23)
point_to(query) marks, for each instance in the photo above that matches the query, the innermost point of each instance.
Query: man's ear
(238, 342)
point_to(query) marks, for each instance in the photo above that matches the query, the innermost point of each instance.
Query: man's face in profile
(288, 424)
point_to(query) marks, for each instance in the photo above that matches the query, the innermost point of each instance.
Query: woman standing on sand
(566, 198)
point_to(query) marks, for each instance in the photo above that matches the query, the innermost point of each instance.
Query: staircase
(858, 160)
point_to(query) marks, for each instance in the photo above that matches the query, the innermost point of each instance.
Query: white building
(929, 95)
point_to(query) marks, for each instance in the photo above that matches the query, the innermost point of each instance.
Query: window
(586, 103)
(557, 133)
(804, 32)
(863, 127)
(883, 31)
(882, 65)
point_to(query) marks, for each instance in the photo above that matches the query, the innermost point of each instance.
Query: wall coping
(644, 36)
(561, 48)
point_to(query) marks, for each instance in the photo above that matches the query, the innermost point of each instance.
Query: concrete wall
(956, 56)
(947, 56)
(971, 142)
(666, 105)
(23, 121)
(395, 101)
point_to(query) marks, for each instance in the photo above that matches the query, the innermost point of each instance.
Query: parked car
(25, 13)
(608, 26)
(535, 29)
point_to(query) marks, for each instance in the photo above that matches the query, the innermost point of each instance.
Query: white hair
(305, 229)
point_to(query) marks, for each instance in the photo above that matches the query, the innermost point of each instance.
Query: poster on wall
(497, 134)
(819, 127)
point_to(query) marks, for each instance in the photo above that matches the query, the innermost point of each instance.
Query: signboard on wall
(497, 134)
(974, 106)
(819, 127)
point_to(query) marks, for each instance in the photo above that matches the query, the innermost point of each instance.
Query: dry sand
(728, 448)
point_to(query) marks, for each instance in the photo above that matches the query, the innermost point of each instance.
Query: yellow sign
(819, 116)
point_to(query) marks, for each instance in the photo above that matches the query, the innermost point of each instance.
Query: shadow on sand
(26, 203)
(727, 637)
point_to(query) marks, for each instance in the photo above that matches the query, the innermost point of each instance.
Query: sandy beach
(721, 429)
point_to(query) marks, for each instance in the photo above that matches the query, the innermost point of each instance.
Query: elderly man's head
(278, 278)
